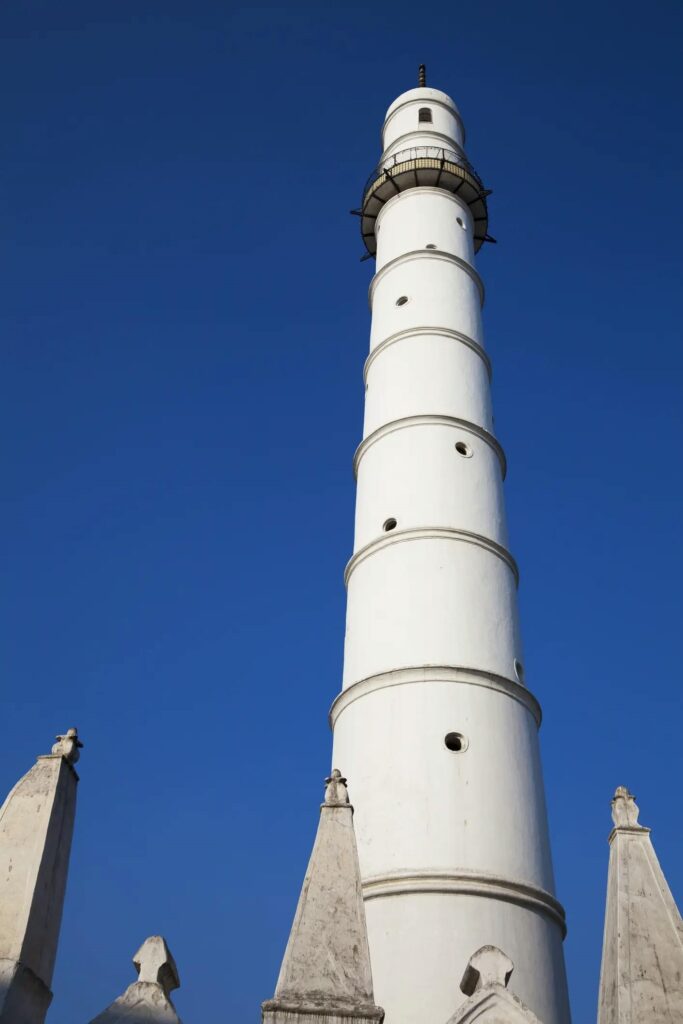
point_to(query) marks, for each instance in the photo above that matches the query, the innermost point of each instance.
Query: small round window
(455, 742)
(461, 222)
(389, 525)
(463, 449)
(430, 245)
(519, 670)
(402, 300)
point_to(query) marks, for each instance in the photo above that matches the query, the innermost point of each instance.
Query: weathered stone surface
(24, 998)
(325, 974)
(147, 1000)
(68, 745)
(487, 967)
(641, 980)
(36, 828)
(485, 982)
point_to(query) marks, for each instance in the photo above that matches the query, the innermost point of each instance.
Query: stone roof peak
(154, 963)
(148, 998)
(68, 745)
(485, 981)
(326, 967)
(625, 810)
(641, 979)
(36, 828)
(488, 966)
(336, 793)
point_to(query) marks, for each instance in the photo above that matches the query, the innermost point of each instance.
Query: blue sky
(184, 325)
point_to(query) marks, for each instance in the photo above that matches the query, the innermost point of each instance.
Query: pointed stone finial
(485, 982)
(147, 999)
(36, 827)
(325, 974)
(641, 977)
(154, 963)
(422, 76)
(336, 793)
(625, 810)
(488, 966)
(68, 746)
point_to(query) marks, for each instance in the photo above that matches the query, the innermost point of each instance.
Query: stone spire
(326, 967)
(485, 982)
(641, 980)
(36, 827)
(148, 998)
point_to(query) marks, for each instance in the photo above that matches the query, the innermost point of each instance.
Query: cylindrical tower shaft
(434, 725)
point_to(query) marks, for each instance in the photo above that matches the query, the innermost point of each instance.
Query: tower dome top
(422, 95)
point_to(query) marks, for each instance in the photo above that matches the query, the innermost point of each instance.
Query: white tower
(434, 725)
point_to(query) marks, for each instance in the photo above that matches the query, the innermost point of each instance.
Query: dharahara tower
(435, 726)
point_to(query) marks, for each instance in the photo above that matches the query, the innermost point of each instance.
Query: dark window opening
(424, 115)
(455, 741)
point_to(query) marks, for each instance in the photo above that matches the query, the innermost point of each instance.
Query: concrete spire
(148, 998)
(36, 827)
(326, 967)
(641, 980)
(485, 981)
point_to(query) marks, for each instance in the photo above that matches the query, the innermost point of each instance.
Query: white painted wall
(414, 219)
(433, 371)
(402, 121)
(453, 846)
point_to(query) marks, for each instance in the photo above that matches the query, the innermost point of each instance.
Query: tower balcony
(418, 167)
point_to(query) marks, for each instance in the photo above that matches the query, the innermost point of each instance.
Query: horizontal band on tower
(434, 190)
(467, 883)
(429, 421)
(431, 533)
(428, 254)
(282, 1011)
(441, 136)
(417, 675)
(442, 332)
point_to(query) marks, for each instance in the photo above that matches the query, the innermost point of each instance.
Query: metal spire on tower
(422, 76)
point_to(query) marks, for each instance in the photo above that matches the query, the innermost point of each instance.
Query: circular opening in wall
(461, 222)
(430, 245)
(519, 670)
(389, 525)
(402, 301)
(455, 741)
(463, 449)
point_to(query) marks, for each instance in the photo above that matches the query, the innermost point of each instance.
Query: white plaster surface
(453, 846)
(402, 128)
(437, 600)
(439, 292)
(424, 372)
(444, 487)
(414, 219)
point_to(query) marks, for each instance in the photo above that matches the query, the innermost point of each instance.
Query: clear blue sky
(184, 324)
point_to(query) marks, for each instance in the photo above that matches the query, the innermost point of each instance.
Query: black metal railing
(436, 153)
